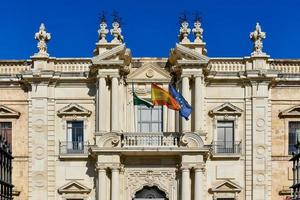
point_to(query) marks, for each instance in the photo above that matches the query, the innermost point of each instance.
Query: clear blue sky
(150, 26)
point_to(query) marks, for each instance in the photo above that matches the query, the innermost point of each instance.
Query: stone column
(198, 103)
(101, 124)
(114, 104)
(115, 183)
(199, 184)
(101, 183)
(185, 184)
(185, 124)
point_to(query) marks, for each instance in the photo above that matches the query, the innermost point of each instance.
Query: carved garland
(165, 180)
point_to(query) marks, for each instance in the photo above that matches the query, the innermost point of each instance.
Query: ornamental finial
(116, 30)
(184, 32)
(103, 30)
(43, 37)
(184, 28)
(198, 31)
(257, 36)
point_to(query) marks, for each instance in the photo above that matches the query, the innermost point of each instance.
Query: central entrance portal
(150, 193)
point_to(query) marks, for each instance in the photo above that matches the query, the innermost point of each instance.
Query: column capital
(199, 169)
(185, 167)
(101, 76)
(100, 167)
(115, 167)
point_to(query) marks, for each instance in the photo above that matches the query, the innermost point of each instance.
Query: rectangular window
(6, 131)
(294, 127)
(225, 137)
(149, 119)
(75, 137)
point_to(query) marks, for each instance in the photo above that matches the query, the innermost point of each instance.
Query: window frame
(138, 115)
(288, 137)
(225, 145)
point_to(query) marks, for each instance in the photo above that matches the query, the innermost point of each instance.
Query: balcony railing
(225, 147)
(150, 139)
(70, 147)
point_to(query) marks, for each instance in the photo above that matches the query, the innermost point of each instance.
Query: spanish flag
(162, 97)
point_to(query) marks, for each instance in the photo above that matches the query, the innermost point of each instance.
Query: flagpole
(134, 110)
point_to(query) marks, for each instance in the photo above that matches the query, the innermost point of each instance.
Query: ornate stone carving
(257, 36)
(191, 140)
(164, 179)
(109, 140)
(43, 37)
(184, 32)
(116, 33)
(197, 31)
(103, 32)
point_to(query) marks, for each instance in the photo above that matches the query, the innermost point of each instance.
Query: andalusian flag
(139, 101)
(161, 97)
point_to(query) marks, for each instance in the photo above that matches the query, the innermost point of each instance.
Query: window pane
(155, 127)
(146, 115)
(145, 127)
(293, 127)
(6, 131)
(155, 115)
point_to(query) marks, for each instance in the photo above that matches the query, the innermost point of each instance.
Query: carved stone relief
(164, 179)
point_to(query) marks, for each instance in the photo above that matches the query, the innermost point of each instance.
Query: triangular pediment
(8, 112)
(226, 186)
(111, 54)
(291, 112)
(73, 109)
(149, 72)
(74, 187)
(186, 54)
(226, 109)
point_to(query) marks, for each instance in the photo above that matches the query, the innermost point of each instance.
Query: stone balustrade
(150, 139)
(288, 67)
(68, 65)
(227, 65)
(14, 67)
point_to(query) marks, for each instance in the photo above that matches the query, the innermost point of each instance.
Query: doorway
(150, 193)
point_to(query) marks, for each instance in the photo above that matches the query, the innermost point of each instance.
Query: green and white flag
(139, 101)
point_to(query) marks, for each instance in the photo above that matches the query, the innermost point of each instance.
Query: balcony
(150, 140)
(226, 149)
(71, 149)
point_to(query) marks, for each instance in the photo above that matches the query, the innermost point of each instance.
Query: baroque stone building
(77, 135)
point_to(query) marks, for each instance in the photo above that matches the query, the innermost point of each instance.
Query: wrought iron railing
(226, 147)
(5, 170)
(163, 139)
(70, 147)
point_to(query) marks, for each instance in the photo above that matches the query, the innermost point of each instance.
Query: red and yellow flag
(162, 97)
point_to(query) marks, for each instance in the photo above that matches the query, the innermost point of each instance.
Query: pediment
(73, 109)
(226, 109)
(8, 112)
(291, 112)
(74, 187)
(226, 186)
(111, 54)
(149, 72)
(185, 54)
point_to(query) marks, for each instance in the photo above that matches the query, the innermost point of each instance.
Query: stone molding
(74, 187)
(226, 109)
(73, 109)
(6, 112)
(226, 188)
(291, 112)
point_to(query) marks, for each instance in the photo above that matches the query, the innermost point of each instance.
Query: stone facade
(46, 98)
